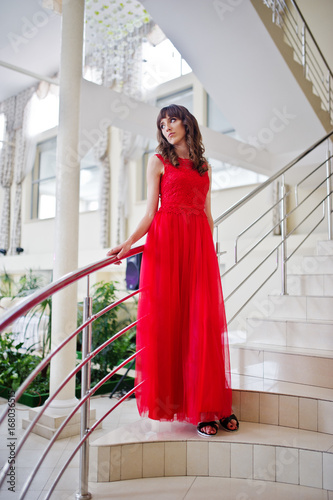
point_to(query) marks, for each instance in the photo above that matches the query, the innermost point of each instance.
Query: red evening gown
(185, 361)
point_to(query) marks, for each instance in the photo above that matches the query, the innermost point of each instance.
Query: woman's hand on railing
(120, 250)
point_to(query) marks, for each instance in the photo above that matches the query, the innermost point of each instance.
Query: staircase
(290, 352)
(283, 395)
(292, 36)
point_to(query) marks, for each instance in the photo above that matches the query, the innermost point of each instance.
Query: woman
(185, 361)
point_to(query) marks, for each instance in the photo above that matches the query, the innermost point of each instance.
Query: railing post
(304, 49)
(283, 238)
(217, 244)
(328, 191)
(274, 12)
(83, 493)
(329, 104)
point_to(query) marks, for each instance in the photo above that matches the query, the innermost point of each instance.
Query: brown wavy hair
(193, 138)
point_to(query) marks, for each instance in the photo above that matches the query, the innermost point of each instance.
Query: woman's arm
(154, 170)
(208, 208)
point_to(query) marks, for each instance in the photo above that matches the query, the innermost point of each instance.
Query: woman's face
(173, 130)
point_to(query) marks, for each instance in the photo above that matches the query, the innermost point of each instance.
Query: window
(44, 181)
(161, 63)
(216, 120)
(183, 98)
(44, 113)
(225, 175)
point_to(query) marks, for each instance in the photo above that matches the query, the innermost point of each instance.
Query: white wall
(318, 16)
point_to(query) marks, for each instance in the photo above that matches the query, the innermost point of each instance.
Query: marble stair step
(248, 383)
(195, 488)
(311, 264)
(288, 364)
(146, 430)
(325, 247)
(310, 284)
(274, 402)
(293, 333)
(148, 448)
(298, 307)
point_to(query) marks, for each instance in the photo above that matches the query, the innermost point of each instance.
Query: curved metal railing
(84, 365)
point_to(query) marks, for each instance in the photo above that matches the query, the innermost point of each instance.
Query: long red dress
(185, 363)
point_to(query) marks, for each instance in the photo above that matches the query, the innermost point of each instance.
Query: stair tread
(302, 296)
(206, 486)
(260, 384)
(145, 430)
(297, 320)
(322, 256)
(305, 274)
(324, 353)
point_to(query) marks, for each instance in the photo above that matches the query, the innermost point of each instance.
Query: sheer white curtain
(101, 155)
(7, 107)
(16, 161)
(20, 125)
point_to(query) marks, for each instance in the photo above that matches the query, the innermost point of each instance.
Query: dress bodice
(183, 189)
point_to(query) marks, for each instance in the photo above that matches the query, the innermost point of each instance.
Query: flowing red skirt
(185, 361)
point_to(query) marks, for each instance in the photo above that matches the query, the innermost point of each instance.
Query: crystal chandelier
(114, 31)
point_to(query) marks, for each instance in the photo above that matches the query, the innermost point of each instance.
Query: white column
(64, 306)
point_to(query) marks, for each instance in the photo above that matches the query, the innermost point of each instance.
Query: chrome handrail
(37, 297)
(269, 181)
(282, 222)
(281, 15)
(70, 416)
(86, 391)
(88, 433)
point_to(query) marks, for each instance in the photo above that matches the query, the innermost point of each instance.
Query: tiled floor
(189, 488)
(199, 488)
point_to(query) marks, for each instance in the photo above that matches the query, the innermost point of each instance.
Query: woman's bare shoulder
(155, 165)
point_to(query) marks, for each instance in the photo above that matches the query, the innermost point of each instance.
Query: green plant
(6, 285)
(27, 284)
(17, 363)
(103, 294)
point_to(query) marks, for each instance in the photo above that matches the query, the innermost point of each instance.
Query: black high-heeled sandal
(225, 421)
(205, 424)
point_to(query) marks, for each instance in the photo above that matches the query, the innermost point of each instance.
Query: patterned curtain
(132, 146)
(101, 155)
(21, 115)
(7, 107)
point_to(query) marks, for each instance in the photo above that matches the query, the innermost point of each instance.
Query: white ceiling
(30, 37)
